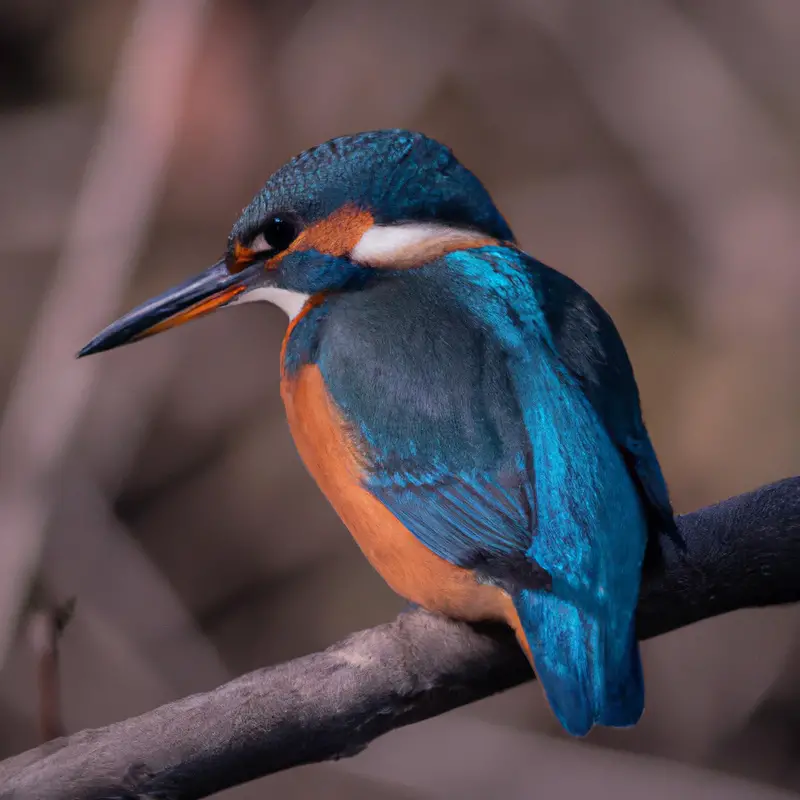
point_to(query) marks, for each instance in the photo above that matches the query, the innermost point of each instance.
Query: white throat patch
(412, 243)
(291, 303)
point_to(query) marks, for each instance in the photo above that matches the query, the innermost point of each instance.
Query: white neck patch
(291, 303)
(411, 244)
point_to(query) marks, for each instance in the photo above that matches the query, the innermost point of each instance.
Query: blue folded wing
(464, 516)
(478, 520)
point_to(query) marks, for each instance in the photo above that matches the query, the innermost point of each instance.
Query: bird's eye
(276, 235)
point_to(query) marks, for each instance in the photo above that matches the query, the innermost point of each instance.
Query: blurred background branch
(648, 150)
(45, 628)
(112, 212)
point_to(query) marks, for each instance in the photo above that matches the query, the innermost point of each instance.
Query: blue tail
(589, 667)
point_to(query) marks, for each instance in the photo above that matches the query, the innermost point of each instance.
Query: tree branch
(741, 553)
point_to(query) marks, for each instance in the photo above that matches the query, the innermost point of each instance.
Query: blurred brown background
(649, 149)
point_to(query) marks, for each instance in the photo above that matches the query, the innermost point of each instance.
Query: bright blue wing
(589, 346)
(591, 538)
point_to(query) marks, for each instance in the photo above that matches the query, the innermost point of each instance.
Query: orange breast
(405, 563)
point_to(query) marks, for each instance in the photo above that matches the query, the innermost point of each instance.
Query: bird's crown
(395, 175)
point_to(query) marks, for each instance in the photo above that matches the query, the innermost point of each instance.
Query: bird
(470, 413)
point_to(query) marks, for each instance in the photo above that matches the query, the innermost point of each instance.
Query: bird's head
(325, 222)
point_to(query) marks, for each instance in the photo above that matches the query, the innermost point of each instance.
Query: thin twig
(741, 553)
(45, 628)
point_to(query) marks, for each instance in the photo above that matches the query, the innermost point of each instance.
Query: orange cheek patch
(335, 235)
(338, 234)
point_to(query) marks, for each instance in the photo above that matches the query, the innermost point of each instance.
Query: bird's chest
(331, 456)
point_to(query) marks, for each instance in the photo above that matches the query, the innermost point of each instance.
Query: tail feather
(589, 667)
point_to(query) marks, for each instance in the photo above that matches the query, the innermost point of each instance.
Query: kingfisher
(470, 413)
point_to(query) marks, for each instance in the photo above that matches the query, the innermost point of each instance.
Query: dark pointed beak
(212, 289)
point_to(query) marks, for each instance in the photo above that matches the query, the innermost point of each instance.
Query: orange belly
(410, 568)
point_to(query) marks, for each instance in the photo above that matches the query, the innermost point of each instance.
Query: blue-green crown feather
(397, 175)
